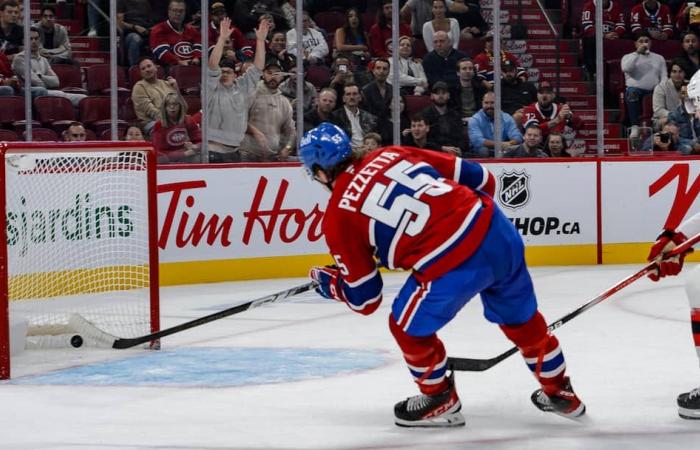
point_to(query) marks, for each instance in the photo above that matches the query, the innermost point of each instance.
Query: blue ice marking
(214, 367)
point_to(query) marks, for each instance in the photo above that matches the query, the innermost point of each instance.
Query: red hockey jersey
(660, 20)
(412, 209)
(533, 113)
(170, 46)
(380, 39)
(613, 19)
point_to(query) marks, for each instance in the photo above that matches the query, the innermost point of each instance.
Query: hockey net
(79, 238)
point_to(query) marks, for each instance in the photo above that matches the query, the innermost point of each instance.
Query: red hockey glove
(329, 282)
(665, 266)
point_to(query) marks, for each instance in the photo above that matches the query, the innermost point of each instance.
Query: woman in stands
(134, 133)
(555, 145)
(176, 136)
(351, 39)
(440, 22)
(412, 78)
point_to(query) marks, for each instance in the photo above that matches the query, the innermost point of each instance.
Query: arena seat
(57, 112)
(188, 78)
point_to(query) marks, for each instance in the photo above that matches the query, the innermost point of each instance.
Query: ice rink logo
(514, 191)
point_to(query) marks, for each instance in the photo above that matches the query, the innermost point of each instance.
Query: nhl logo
(515, 189)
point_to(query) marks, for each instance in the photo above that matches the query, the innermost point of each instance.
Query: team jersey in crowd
(412, 209)
(170, 46)
(483, 63)
(613, 19)
(659, 20)
(532, 113)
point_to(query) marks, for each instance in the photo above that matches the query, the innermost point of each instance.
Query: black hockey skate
(689, 404)
(441, 410)
(564, 402)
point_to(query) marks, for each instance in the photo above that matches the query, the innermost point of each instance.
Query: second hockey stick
(479, 365)
(86, 328)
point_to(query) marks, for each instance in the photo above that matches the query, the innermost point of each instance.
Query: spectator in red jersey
(380, 44)
(551, 116)
(614, 27)
(176, 137)
(484, 63)
(8, 80)
(652, 17)
(217, 13)
(173, 42)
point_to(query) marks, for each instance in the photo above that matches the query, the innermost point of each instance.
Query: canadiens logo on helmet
(514, 190)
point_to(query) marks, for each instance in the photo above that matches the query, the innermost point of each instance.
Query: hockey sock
(541, 351)
(426, 359)
(695, 326)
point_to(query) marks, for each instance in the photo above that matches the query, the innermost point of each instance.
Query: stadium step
(529, 16)
(610, 131)
(565, 74)
(589, 115)
(541, 60)
(89, 44)
(91, 58)
(488, 4)
(589, 147)
(550, 46)
(578, 102)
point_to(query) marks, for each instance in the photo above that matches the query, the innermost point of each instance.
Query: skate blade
(455, 419)
(689, 414)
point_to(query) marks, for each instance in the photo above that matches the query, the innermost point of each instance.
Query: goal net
(79, 237)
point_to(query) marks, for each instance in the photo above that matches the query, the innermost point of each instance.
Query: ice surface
(308, 373)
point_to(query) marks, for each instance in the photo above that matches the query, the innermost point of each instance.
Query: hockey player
(688, 402)
(431, 213)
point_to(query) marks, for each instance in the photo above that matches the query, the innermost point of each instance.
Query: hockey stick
(88, 329)
(479, 365)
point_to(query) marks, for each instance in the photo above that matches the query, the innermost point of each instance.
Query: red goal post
(78, 236)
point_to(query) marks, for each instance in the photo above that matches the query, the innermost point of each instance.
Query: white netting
(78, 240)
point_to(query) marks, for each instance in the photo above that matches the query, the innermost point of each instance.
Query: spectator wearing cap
(515, 93)
(419, 135)
(484, 63)
(441, 63)
(446, 128)
(217, 14)
(135, 18)
(667, 95)
(173, 42)
(643, 70)
(468, 98)
(229, 96)
(531, 145)
(481, 129)
(356, 122)
(549, 115)
(652, 18)
(270, 135)
(313, 42)
(377, 96)
(148, 93)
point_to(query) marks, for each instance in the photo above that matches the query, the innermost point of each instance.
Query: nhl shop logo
(514, 192)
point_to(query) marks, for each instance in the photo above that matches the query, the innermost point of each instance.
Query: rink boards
(259, 221)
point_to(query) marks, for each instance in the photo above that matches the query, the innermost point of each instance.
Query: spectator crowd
(446, 67)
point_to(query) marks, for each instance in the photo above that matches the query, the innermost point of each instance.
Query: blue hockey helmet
(324, 146)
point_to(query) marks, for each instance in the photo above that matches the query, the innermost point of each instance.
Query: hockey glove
(667, 266)
(329, 282)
